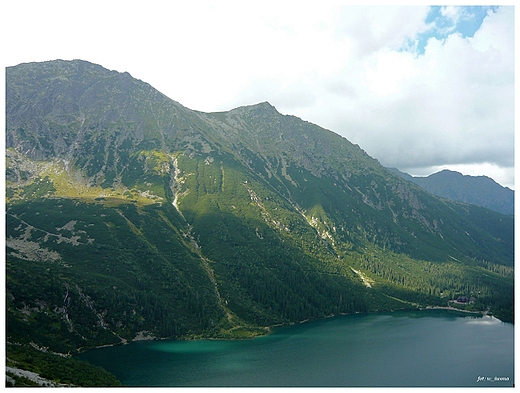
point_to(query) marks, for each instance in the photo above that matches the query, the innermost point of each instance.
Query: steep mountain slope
(130, 216)
(477, 190)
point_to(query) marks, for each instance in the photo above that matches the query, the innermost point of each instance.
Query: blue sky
(419, 88)
(466, 20)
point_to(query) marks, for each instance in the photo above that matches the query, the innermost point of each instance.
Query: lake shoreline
(269, 329)
(352, 350)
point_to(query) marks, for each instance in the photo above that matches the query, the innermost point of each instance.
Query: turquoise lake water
(425, 348)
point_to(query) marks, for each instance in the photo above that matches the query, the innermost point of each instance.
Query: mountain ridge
(139, 217)
(477, 190)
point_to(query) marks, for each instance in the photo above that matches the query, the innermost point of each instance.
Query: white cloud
(353, 70)
(453, 105)
(453, 13)
(501, 175)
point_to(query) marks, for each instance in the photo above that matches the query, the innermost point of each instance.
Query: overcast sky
(419, 88)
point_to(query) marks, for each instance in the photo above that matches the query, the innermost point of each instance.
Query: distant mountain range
(130, 217)
(477, 190)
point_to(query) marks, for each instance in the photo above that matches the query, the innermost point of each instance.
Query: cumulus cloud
(452, 105)
(418, 88)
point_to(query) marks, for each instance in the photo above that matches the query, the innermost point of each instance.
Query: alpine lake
(428, 348)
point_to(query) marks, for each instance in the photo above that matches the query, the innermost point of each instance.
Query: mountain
(477, 190)
(130, 217)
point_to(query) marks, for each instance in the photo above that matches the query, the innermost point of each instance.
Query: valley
(129, 215)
